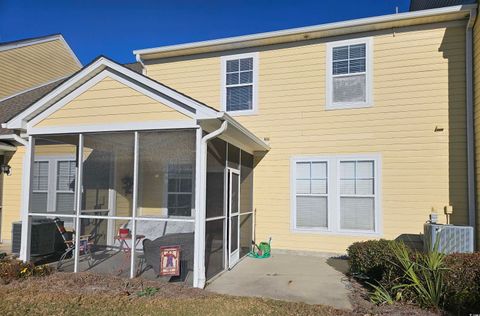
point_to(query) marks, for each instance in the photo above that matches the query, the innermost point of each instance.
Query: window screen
(180, 186)
(357, 195)
(64, 200)
(349, 79)
(311, 194)
(239, 84)
(39, 198)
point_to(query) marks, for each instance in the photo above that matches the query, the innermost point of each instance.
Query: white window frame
(333, 194)
(254, 83)
(330, 105)
(52, 179)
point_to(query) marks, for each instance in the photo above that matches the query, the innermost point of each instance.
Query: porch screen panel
(246, 183)
(54, 174)
(216, 159)
(246, 233)
(108, 174)
(166, 174)
(233, 159)
(214, 248)
(151, 236)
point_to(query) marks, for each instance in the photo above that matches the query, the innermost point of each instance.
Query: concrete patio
(290, 277)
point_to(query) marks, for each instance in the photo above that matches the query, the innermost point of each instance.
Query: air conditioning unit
(450, 238)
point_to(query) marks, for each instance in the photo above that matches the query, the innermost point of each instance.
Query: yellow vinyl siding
(418, 90)
(476, 93)
(12, 192)
(110, 101)
(29, 66)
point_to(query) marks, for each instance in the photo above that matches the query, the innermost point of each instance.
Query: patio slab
(289, 277)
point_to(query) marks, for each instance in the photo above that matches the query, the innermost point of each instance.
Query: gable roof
(310, 32)
(60, 93)
(416, 5)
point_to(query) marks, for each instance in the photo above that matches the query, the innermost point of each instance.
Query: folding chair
(68, 237)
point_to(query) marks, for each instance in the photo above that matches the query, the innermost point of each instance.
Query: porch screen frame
(78, 216)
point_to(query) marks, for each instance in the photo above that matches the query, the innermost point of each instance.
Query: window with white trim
(239, 83)
(180, 190)
(336, 194)
(53, 185)
(349, 74)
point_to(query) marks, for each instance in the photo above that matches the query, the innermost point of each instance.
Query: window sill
(347, 106)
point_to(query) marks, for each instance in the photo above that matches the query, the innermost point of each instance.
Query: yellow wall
(12, 192)
(110, 101)
(476, 92)
(419, 84)
(29, 66)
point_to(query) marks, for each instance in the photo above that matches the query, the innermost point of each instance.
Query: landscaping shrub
(374, 261)
(11, 269)
(462, 282)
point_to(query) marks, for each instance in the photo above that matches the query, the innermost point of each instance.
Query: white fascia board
(350, 24)
(20, 121)
(23, 43)
(233, 123)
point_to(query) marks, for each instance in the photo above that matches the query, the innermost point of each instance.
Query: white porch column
(25, 203)
(134, 209)
(78, 202)
(199, 236)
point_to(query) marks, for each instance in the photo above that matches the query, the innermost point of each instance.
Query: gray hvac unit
(450, 238)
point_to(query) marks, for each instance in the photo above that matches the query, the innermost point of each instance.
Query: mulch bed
(362, 305)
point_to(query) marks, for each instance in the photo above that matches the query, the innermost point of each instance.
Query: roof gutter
(350, 25)
(470, 121)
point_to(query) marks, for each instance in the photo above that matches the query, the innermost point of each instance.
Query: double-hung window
(53, 185)
(239, 83)
(336, 194)
(349, 74)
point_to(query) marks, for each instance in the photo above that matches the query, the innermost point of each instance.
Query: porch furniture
(126, 249)
(151, 249)
(86, 243)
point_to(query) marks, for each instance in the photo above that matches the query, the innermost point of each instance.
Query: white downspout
(199, 281)
(470, 121)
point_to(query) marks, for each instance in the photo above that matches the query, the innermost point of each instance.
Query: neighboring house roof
(9, 107)
(310, 32)
(416, 5)
(30, 63)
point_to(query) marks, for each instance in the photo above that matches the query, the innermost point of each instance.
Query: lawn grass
(85, 294)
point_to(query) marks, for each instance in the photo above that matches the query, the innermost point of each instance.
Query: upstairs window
(239, 83)
(349, 74)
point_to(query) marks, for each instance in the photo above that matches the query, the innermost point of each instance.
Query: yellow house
(316, 137)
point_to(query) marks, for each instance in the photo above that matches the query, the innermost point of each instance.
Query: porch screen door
(233, 204)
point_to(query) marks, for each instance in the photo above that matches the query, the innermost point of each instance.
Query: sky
(115, 28)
